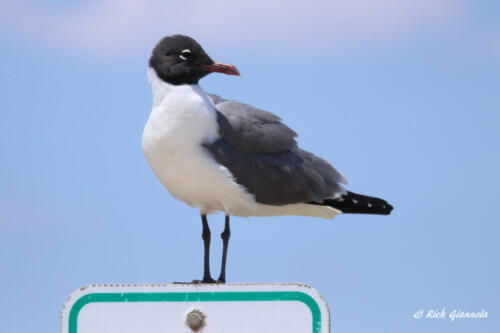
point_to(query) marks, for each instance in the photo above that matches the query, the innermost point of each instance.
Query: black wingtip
(359, 204)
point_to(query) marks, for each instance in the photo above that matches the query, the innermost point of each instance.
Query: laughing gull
(222, 155)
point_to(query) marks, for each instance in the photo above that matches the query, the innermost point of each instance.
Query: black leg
(225, 242)
(206, 242)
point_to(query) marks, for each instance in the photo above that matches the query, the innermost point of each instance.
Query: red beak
(220, 67)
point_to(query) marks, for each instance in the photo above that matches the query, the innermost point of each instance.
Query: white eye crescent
(184, 54)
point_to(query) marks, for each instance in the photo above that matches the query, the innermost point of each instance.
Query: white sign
(204, 308)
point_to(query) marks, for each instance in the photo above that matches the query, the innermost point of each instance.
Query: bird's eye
(185, 54)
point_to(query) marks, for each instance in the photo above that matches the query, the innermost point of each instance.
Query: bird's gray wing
(262, 154)
(252, 130)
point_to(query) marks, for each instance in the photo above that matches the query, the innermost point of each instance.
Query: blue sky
(403, 97)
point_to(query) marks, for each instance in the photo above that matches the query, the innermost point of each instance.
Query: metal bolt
(195, 320)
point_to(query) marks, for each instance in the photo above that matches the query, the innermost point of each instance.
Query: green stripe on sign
(197, 297)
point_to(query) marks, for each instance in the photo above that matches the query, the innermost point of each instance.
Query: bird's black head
(180, 59)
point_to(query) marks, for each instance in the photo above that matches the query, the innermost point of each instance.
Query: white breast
(183, 117)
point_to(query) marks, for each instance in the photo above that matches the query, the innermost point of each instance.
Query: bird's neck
(162, 89)
(182, 109)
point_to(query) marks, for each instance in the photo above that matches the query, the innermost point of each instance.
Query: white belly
(190, 175)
